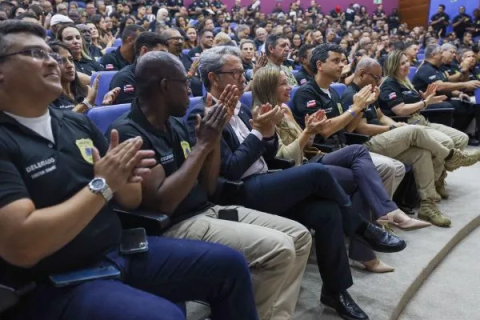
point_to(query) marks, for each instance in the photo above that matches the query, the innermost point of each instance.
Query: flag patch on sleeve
(392, 96)
(311, 104)
(109, 67)
(128, 88)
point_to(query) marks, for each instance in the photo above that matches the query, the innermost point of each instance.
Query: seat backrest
(413, 70)
(477, 96)
(110, 49)
(103, 117)
(339, 88)
(185, 51)
(104, 84)
(247, 99)
(117, 43)
(420, 56)
(193, 102)
(294, 72)
(292, 94)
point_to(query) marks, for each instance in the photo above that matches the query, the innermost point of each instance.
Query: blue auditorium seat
(110, 49)
(104, 116)
(193, 102)
(339, 88)
(247, 99)
(413, 70)
(104, 84)
(294, 72)
(420, 56)
(185, 51)
(117, 43)
(477, 96)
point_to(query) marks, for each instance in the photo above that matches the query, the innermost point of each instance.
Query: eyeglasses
(374, 76)
(237, 74)
(175, 39)
(36, 54)
(185, 81)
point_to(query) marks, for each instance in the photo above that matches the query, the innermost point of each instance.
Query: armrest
(227, 191)
(280, 164)
(323, 147)
(10, 296)
(153, 222)
(400, 118)
(441, 115)
(356, 138)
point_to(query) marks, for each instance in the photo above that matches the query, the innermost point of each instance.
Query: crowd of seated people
(225, 192)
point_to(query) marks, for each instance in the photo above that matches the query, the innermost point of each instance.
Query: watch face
(98, 184)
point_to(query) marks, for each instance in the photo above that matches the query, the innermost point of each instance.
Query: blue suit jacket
(238, 157)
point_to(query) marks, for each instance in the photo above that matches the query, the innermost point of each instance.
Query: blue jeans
(171, 271)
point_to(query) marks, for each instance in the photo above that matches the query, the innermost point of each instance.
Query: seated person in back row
(125, 54)
(305, 74)
(55, 217)
(187, 173)
(412, 144)
(125, 78)
(430, 72)
(308, 194)
(327, 65)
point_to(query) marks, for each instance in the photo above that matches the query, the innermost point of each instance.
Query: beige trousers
(449, 137)
(276, 249)
(391, 172)
(414, 145)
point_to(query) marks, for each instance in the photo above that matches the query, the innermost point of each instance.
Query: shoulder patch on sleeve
(311, 104)
(392, 96)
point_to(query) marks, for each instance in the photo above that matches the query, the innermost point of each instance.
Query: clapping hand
(265, 118)
(110, 97)
(315, 122)
(261, 62)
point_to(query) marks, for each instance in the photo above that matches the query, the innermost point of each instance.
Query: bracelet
(352, 113)
(87, 104)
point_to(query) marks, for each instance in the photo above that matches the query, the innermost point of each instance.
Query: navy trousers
(310, 195)
(171, 271)
(353, 168)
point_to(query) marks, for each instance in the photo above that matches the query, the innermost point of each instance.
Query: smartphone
(134, 241)
(76, 277)
(228, 214)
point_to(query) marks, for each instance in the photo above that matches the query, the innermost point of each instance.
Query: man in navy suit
(308, 194)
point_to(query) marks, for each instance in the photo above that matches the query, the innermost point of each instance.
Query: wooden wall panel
(414, 12)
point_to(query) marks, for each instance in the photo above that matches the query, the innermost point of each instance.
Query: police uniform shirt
(392, 93)
(174, 3)
(393, 21)
(426, 74)
(476, 26)
(95, 52)
(186, 61)
(309, 99)
(302, 76)
(475, 73)
(370, 113)
(450, 69)
(442, 25)
(171, 149)
(125, 80)
(88, 66)
(378, 13)
(32, 167)
(114, 61)
(64, 103)
(460, 29)
(217, 4)
(195, 52)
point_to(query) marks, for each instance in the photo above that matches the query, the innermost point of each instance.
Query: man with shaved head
(410, 144)
(186, 177)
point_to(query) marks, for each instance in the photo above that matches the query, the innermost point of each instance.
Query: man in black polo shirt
(206, 42)
(56, 226)
(412, 144)
(440, 21)
(379, 14)
(187, 174)
(125, 78)
(461, 22)
(450, 67)
(314, 95)
(125, 54)
(430, 72)
(174, 6)
(305, 74)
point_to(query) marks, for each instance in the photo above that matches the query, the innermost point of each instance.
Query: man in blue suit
(308, 194)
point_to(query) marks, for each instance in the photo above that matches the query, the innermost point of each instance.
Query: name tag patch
(433, 77)
(41, 168)
(166, 159)
(86, 149)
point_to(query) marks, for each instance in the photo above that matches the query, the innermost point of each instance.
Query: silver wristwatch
(100, 186)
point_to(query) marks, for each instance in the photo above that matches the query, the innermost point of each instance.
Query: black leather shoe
(345, 306)
(473, 142)
(380, 240)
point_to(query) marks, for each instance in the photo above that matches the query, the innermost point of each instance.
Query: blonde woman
(352, 166)
(398, 97)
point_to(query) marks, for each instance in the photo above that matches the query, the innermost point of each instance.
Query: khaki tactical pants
(276, 249)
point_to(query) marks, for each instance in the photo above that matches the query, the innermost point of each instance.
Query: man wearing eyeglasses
(411, 144)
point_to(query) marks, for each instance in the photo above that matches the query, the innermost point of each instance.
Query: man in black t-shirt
(125, 78)
(57, 228)
(187, 174)
(305, 74)
(440, 21)
(125, 54)
(461, 22)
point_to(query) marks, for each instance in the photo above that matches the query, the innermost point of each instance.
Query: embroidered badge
(86, 149)
(311, 104)
(392, 96)
(186, 148)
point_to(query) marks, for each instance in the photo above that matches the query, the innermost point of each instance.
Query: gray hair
(448, 46)
(431, 49)
(242, 28)
(213, 60)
